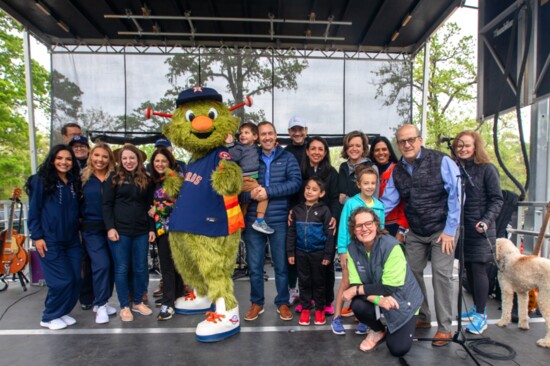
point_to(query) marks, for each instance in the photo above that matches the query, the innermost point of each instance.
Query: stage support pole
(30, 99)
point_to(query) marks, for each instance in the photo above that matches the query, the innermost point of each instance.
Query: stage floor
(265, 341)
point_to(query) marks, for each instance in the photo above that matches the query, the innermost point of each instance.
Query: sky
(290, 102)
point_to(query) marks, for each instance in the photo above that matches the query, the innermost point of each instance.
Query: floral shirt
(163, 209)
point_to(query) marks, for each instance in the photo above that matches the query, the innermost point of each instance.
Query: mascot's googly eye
(189, 115)
(213, 113)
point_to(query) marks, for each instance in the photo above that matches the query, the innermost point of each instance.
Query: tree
(451, 88)
(67, 104)
(14, 133)
(245, 73)
(451, 92)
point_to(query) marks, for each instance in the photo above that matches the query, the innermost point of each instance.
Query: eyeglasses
(410, 141)
(365, 225)
(81, 147)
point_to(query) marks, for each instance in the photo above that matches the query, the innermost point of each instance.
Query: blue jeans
(130, 256)
(255, 256)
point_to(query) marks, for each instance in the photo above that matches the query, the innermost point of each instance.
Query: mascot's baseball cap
(163, 143)
(80, 139)
(296, 121)
(197, 93)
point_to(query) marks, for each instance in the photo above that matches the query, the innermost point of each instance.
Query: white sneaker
(55, 324)
(102, 315)
(193, 304)
(69, 320)
(219, 325)
(294, 295)
(262, 227)
(110, 310)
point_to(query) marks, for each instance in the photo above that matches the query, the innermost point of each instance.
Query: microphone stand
(460, 336)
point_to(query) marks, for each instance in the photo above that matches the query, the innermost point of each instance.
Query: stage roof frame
(376, 26)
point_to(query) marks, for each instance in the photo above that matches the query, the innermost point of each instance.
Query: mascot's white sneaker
(219, 325)
(193, 304)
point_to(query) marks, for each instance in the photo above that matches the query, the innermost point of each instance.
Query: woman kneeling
(381, 284)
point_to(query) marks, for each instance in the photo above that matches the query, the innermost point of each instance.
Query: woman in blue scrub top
(101, 162)
(53, 220)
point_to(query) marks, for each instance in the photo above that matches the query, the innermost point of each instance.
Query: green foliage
(451, 98)
(14, 131)
(244, 72)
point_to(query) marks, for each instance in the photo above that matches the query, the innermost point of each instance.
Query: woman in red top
(381, 152)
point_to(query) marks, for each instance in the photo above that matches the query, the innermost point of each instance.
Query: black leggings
(171, 279)
(478, 281)
(398, 342)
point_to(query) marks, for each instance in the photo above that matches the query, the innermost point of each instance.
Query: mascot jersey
(199, 209)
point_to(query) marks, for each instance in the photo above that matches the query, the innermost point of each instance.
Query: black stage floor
(265, 341)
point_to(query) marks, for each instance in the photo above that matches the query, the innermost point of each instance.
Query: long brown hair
(480, 154)
(140, 177)
(89, 170)
(171, 162)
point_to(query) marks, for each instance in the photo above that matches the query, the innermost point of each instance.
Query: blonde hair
(362, 170)
(89, 170)
(480, 154)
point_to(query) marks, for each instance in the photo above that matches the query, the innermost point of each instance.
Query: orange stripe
(235, 219)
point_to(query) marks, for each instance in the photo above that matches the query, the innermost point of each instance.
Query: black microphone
(445, 139)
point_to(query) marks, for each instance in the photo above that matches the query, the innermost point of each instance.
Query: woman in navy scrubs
(54, 195)
(101, 163)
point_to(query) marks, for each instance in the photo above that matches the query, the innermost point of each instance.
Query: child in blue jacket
(310, 245)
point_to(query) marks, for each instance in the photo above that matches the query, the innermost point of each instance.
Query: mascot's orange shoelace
(190, 296)
(214, 317)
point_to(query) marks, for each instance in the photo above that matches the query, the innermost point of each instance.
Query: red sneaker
(347, 312)
(320, 318)
(304, 317)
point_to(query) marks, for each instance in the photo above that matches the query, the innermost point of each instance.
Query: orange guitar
(14, 255)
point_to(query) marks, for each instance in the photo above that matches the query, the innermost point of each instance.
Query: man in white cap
(297, 130)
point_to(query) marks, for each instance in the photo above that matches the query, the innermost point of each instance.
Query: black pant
(478, 281)
(399, 342)
(329, 282)
(87, 290)
(311, 278)
(172, 281)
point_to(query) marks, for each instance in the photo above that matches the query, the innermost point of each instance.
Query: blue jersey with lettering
(201, 210)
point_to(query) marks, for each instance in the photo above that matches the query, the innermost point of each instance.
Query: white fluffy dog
(521, 273)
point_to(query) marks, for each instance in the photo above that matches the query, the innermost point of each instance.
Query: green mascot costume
(206, 223)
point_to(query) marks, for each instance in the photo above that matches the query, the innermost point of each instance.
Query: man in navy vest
(428, 181)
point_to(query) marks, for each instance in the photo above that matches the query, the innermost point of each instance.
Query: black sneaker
(165, 313)
(86, 306)
(158, 302)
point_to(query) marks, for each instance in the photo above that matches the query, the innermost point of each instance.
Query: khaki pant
(249, 184)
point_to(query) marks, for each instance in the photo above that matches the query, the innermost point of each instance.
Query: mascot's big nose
(202, 123)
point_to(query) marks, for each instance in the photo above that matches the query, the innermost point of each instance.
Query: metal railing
(527, 226)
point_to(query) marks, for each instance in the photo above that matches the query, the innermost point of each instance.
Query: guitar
(14, 255)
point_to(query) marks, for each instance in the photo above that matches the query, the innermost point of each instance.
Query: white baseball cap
(296, 121)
